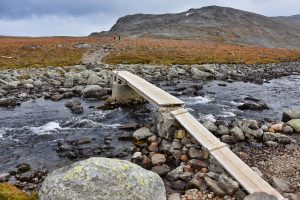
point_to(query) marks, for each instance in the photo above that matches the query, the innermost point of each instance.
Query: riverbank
(75, 136)
(66, 82)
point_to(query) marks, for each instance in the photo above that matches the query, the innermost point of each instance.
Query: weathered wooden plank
(150, 92)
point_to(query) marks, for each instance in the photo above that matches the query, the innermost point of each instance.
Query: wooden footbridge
(126, 85)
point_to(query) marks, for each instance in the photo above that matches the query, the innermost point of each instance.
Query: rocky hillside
(213, 23)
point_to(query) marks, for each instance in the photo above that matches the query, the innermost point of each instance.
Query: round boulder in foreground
(102, 179)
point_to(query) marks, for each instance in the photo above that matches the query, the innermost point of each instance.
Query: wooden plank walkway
(219, 150)
(150, 92)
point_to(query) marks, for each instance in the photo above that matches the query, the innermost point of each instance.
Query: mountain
(216, 24)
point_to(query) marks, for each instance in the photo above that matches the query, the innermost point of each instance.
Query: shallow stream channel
(33, 132)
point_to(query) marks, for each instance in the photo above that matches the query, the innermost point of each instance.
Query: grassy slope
(60, 51)
(163, 51)
(38, 52)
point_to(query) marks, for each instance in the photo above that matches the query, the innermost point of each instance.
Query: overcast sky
(81, 17)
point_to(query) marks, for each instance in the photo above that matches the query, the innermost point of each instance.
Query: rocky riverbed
(49, 119)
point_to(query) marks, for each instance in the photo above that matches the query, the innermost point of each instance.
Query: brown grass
(18, 52)
(166, 51)
(10, 192)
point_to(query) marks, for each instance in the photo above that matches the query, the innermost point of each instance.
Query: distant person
(119, 37)
(114, 37)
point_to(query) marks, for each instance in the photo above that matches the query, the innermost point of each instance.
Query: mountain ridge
(213, 23)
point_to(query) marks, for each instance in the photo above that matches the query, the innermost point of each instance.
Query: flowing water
(30, 133)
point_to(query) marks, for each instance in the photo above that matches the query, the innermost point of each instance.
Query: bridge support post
(121, 91)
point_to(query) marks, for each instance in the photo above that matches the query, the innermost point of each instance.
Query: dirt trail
(96, 53)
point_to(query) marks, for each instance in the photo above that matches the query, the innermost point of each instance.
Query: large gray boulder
(93, 91)
(102, 179)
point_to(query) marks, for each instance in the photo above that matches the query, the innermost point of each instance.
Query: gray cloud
(81, 17)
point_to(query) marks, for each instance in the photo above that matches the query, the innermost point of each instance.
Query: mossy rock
(102, 178)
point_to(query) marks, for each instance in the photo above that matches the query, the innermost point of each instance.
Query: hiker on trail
(119, 37)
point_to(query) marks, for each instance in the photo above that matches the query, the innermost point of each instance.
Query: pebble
(158, 159)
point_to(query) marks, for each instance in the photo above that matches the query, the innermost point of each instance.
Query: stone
(158, 159)
(165, 146)
(72, 103)
(4, 177)
(142, 133)
(249, 127)
(210, 126)
(192, 194)
(146, 162)
(222, 130)
(277, 127)
(38, 83)
(130, 126)
(69, 82)
(260, 196)
(8, 102)
(22, 168)
(178, 173)
(277, 137)
(93, 91)
(196, 153)
(198, 164)
(265, 128)
(77, 109)
(176, 144)
(290, 114)
(237, 134)
(295, 124)
(240, 194)
(228, 139)
(13, 84)
(198, 183)
(282, 185)
(198, 74)
(287, 130)
(57, 97)
(137, 156)
(25, 177)
(179, 134)
(189, 91)
(178, 185)
(161, 170)
(291, 196)
(213, 186)
(28, 86)
(93, 79)
(271, 144)
(184, 158)
(166, 125)
(227, 184)
(174, 196)
(253, 106)
(196, 86)
(103, 178)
